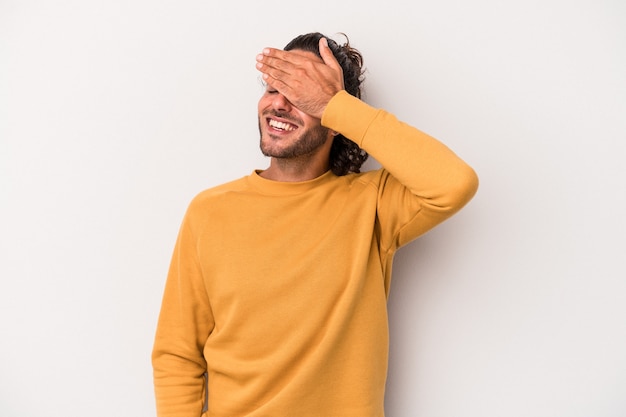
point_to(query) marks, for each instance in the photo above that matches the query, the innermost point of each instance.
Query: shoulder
(207, 198)
(239, 184)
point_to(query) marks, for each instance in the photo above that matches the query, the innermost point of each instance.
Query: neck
(294, 169)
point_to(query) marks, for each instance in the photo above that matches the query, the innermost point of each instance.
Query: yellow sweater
(278, 290)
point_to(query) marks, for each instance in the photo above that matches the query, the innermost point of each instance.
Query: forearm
(427, 167)
(178, 387)
(185, 321)
(178, 370)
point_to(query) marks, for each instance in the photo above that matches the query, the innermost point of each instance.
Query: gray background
(114, 114)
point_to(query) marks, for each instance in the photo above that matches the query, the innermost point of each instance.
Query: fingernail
(325, 42)
(259, 57)
(266, 51)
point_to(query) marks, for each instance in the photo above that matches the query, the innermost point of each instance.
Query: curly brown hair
(345, 156)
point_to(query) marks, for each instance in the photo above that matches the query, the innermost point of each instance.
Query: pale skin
(299, 87)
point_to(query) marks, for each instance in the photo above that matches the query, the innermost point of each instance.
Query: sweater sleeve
(184, 324)
(422, 182)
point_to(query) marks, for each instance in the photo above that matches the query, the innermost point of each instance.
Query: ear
(332, 132)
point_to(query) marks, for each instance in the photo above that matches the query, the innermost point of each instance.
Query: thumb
(327, 55)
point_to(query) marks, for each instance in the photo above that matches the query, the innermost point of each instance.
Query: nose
(281, 103)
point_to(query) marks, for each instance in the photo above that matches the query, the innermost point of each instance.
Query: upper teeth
(281, 125)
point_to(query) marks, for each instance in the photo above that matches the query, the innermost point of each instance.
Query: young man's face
(287, 132)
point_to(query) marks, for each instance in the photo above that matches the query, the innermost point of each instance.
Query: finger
(267, 69)
(280, 58)
(270, 62)
(265, 64)
(272, 76)
(327, 55)
(278, 85)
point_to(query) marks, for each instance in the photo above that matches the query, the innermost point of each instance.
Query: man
(275, 302)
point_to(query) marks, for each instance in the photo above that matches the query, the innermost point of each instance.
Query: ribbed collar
(270, 187)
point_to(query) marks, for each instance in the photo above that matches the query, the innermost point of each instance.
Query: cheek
(307, 118)
(263, 103)
(260, 106)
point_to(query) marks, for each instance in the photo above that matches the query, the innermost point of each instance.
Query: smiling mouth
(282, 126)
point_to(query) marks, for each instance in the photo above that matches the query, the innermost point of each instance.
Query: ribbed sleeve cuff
(349, 116)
